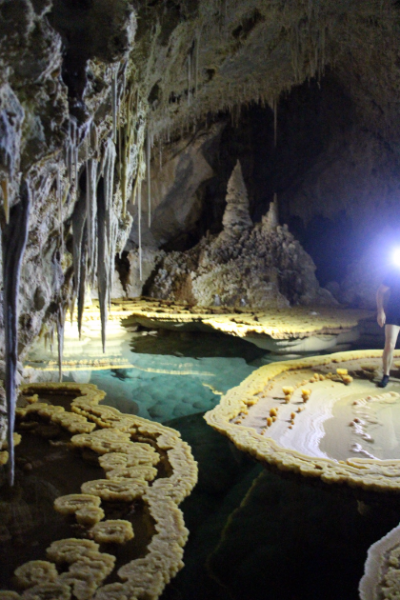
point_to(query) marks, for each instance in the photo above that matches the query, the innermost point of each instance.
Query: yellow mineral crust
(35, 572)
(84, 568)
(105, 416)
(3, 448)
(285, 323)
(124, 490)
(70, 550)
(89, 515)
(112, 531)
(17, 440)
(141, 454)
(70, 504)
(48, 591)
(139, 472)
(368, 473)
(88, 573)
(104, 440)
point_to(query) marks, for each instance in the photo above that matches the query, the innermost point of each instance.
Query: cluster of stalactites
(90, 169)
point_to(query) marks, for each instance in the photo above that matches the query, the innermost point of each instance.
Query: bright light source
(396, 257)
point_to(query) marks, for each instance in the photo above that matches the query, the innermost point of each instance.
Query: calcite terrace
(281, 415)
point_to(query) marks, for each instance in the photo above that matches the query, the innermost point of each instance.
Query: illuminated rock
(287, 330)
(382, 569)
(339, 431)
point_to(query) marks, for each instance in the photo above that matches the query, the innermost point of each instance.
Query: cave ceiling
(72, 73)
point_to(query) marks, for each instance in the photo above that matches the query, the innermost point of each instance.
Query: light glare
(396, 257)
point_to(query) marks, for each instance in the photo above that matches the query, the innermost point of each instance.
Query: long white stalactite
(107, 225)
(139, 218)
(148, 172)
(91, 213)
(14, 238)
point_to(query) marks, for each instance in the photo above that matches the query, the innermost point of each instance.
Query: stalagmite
(236, 217)
(148, 158)
(14, 237)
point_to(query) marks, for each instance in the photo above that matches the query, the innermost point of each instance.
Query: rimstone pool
(255, 533)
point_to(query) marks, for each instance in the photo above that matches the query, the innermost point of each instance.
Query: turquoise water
(162, 387)
(255, 534)
(165, 375)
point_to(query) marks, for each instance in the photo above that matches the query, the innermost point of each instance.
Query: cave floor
(254, 532)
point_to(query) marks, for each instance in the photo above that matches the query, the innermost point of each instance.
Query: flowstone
(320, 417)
(287, 330)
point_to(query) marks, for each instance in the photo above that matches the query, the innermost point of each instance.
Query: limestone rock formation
(259, 266)
(177, 173)
(236, 218)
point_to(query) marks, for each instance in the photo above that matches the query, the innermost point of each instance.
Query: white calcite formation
(319, 417)
(259, 265)
(236, 218)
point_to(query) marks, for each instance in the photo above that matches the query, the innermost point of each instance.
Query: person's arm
(382, 290)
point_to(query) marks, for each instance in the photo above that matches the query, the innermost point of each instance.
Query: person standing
(389, 318)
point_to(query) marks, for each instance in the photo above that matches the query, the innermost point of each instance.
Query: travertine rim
(144, 577)
(369, 474)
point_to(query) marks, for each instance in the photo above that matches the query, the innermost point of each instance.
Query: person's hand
(381, 318)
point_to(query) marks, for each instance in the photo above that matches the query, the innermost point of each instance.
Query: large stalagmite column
(236, 217)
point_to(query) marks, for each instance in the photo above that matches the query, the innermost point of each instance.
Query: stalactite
(148, 158)
(59, 198)
(91, 210)
(82, 279)
(94, 140)
(189, 62)
(140, 228)
(102, 274)
(78, 225)
(60, 337)
(275, 110)
(4, 188)
(14, 237)
(114, 103)
(107, 226)
(57, 284)
(71, 151)
(126, 150)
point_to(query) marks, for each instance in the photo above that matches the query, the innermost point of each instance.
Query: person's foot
(384, 381)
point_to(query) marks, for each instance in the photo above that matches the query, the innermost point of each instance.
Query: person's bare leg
(391, 333)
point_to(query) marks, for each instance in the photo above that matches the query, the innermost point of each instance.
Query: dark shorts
(393, 317)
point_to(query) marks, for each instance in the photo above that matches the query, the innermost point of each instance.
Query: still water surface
(256, 534)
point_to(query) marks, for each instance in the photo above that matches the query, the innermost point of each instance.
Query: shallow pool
(255, 534)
